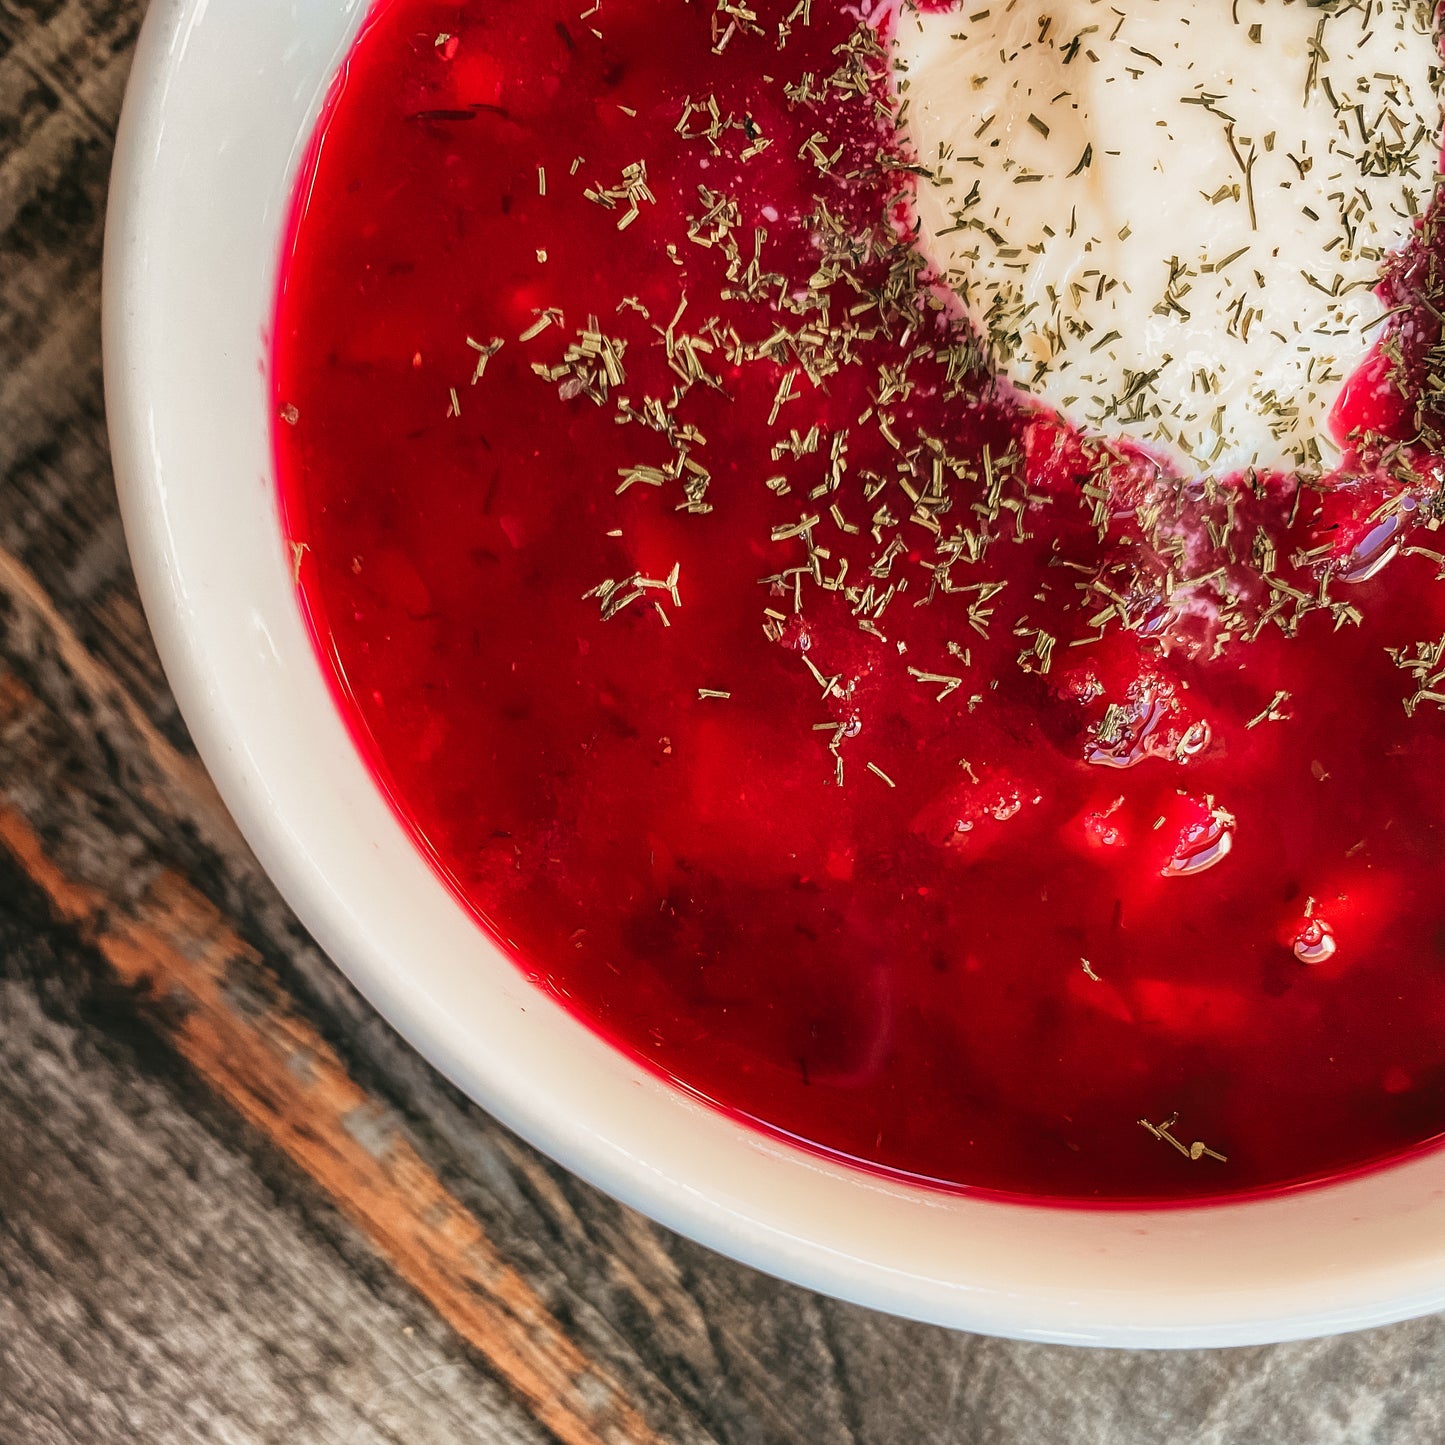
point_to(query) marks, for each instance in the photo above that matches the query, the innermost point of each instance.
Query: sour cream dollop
(1168, 219)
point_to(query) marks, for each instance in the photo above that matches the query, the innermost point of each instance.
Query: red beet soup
(836, 732)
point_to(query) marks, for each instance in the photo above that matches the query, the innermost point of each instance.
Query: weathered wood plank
(153, 1287)
(287, 1083)
(195, 1243)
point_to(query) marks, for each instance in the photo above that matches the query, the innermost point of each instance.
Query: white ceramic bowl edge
(221, 101)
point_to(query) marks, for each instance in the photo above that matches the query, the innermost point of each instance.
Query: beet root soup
(856, 655)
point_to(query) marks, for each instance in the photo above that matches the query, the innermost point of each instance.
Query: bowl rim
(1265, 1298)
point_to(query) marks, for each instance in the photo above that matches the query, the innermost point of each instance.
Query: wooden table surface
(234, 1206)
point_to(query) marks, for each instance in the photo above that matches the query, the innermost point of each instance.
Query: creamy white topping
(1168, 219)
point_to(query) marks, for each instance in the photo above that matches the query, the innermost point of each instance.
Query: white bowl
(221, 102)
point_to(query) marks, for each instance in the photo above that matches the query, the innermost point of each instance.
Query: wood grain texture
(233, 1205)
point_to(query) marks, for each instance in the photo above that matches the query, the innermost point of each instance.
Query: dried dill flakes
(630, 192)
(1194, 1151)
(550, 316)
(879, 773)
(1424, 664)
(949, 685)
(1271, 711)
(485, 350)
(613, 595)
